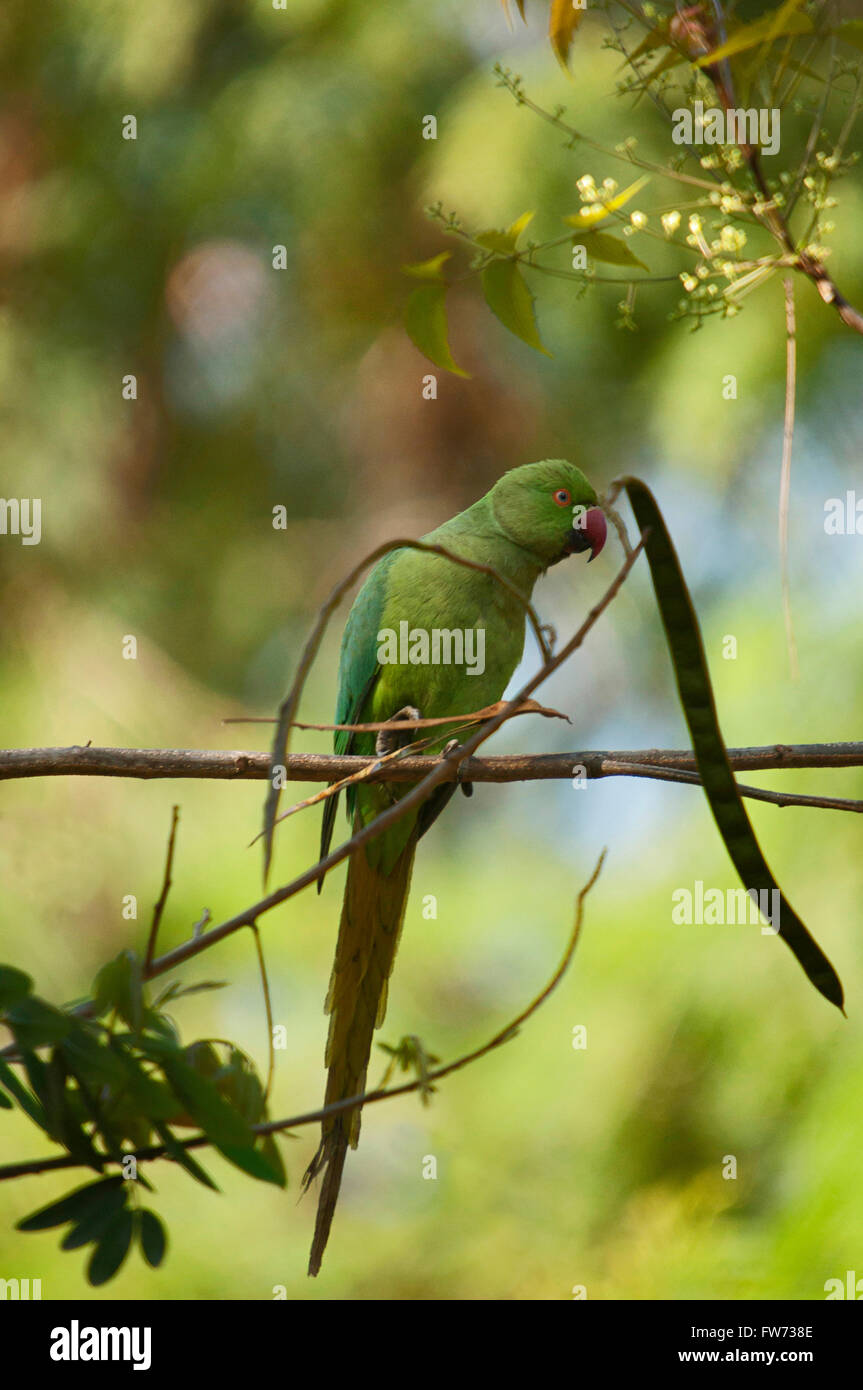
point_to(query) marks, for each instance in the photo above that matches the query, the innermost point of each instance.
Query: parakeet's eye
(562, 497)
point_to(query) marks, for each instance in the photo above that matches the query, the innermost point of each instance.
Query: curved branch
(31, 1167)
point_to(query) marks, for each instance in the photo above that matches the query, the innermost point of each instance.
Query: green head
(549, 508)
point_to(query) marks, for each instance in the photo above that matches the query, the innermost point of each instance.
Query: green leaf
(219, 1121)
(203, 1058)
(241, 1086)
(223, 1099)
(506, 242)
(657, 38)
(665, 64)
(152, 1238)
(255, 1162)
(151, 1095)
(35, 1023)
(431, 269)
(63, 1110)
(609, 249)
(851, 31)
(495, 240)
(425, 321)
(509, 298)
(111, 1249)
(153, 1046)
(696, 696)
(182, 1156)
(763, 31)
(782, 16)
(5, 1102)
(27, 1101)
(270, 1150)
(55, 1088)
(37, 1074)
(76, 1205)
(119, 985)
(515, 229)
(96, 1061)
(90, 1227)
(163, 1026)
(14, 985)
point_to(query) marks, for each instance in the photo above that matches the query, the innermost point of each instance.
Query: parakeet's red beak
(588, 533)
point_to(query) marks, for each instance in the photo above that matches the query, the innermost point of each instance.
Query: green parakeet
(425, 638)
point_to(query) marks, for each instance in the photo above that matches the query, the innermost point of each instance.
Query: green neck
(478, 535)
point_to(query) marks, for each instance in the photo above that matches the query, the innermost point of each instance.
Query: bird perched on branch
(533, 517)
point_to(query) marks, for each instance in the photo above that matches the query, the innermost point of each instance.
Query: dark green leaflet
(696, 696)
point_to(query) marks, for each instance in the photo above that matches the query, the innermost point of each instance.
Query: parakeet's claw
(388, 740)
(467, 787)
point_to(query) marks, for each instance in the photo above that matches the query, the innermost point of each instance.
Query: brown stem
(196, 764)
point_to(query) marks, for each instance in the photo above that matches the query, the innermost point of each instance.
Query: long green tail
(372, 914)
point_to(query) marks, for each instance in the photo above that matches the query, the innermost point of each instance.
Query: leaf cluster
(114, 1078)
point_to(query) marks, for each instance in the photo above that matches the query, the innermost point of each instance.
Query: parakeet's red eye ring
(562, 497)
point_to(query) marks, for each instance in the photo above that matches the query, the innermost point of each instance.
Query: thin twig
(618, 523)
(676, 175)
(814, 137)
(663, 774)
(166, 888)
(785, 476)
(265, 984)
(476, 716)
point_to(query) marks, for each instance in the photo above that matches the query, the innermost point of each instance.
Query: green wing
(358, 672)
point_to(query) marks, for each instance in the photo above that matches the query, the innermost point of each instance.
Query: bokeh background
(256, 388)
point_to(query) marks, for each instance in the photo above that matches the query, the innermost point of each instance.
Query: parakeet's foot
(467, 787)
(388, 740)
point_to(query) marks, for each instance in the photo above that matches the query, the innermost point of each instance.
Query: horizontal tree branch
(656, 764)
(214, 764)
